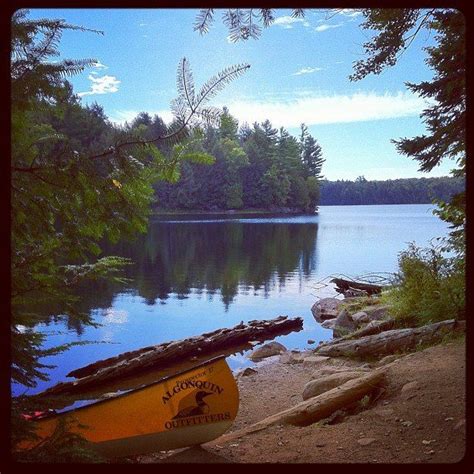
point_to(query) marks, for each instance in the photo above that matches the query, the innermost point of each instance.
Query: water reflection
(215, 257)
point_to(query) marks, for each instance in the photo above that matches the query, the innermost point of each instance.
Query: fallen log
(374, 327)
(316, 408)
(390, 341)
(169, 353)
(345, 285)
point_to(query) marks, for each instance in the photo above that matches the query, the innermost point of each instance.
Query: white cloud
(326, 27)
(288, 21)
(315, 109)
(307, 70)
(349, 12)
(328, 109)
(99, 65)
(119, 117)
(101, 85)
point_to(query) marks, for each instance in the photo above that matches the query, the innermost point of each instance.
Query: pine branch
(204, 20)
(180, 104)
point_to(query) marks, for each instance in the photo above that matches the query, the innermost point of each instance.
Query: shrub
(429, 286)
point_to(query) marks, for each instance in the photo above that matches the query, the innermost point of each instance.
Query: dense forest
(257, 167)
(392, 191)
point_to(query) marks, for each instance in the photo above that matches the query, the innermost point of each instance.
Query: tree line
(252, 167)
(392, 191)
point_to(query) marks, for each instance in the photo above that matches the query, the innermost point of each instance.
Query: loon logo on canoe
(195, 408)
(199, 406)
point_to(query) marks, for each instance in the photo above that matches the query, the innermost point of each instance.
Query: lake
(193, 275)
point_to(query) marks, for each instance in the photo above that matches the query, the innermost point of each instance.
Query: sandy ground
(423, 423)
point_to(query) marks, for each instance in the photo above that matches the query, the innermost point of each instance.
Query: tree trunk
(389, 342)
(316, 408)
(344, 285)
(169, 353)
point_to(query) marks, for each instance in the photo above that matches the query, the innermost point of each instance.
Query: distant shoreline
(262, 212)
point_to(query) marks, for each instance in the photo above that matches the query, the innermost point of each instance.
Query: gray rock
(294, 357)
(376, 312)
(326, 308)
(267, 350)
(408, 387)
(246, 372)
(361, 317)
(344, 324)
(329, 323)
(323, 384)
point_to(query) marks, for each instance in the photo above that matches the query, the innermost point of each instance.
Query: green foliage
(78, 181)
(429, 287)
(432, 286)
(259, 168)
(63, 446)
(391, 191)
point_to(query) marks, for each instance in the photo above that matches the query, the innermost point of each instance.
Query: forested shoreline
(391, 191)
(358, 192)
(253, 167)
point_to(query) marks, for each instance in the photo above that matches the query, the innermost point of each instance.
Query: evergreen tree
(70, 190)
(311, 153)
(446, 117)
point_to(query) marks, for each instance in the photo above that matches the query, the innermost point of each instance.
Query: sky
(299, 72)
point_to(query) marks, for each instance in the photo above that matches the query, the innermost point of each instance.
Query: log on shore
(169, 353)
(390, 341)
(344, 285)
(316, 408)
(374, 327)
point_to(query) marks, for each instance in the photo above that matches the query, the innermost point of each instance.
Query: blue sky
(299, 73)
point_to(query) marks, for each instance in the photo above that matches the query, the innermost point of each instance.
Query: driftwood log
(169, 353)
(390, 341)
(344, 285)
(374, 327)
(316, 408)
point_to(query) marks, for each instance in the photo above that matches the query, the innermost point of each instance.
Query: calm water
(192, 275)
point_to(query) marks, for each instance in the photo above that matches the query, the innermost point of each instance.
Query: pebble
(311, 341)
(407, 423)
(233, 445)
(460, 425)
(449, 418)
(365, 441)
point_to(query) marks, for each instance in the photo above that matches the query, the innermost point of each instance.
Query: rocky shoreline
(303, 406)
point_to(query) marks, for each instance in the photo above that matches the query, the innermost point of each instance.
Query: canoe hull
(185, 409)
(164, 441)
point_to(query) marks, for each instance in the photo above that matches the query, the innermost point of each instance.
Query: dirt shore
(418, 418)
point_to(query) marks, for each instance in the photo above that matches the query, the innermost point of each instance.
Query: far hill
(396, 191)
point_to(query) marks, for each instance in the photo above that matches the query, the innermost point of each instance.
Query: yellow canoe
(185, 409)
